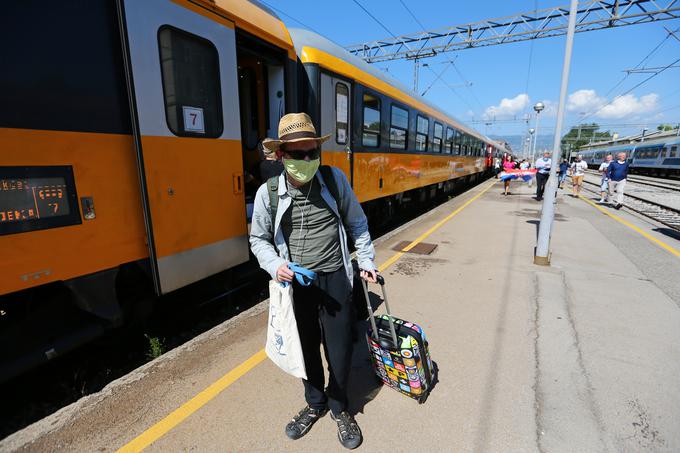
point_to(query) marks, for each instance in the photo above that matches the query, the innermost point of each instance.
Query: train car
(125, 130)
(595, 157)
(129, 135)
(391, 143)
(656, 157)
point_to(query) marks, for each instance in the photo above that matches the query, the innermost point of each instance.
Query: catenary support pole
(535, 137)
(542, 255)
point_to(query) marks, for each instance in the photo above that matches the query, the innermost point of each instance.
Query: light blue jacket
(261, 231)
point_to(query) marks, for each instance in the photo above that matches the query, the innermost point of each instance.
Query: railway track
(661, 213)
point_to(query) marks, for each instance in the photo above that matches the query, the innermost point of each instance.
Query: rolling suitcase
(399, 351)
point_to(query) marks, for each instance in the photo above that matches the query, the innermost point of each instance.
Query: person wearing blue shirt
(564, 166)
(617, 172)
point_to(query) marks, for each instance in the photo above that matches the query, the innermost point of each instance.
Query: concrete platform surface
(580, 356)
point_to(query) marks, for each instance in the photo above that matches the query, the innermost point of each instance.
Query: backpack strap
(332, 185)
(329, 179)
(273, 186)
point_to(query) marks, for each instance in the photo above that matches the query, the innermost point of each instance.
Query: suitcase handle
(393, 332)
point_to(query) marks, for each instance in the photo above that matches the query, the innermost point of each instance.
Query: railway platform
(583, 355)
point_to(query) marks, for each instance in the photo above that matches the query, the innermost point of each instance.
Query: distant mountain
(515, 141)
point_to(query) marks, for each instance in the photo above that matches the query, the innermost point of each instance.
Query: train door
(181, 68)
(336, 95)
(261, 90)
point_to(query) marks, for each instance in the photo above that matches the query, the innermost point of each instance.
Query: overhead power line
(642, 62)
(631, 89)
(466, 82)
(647, 70)
(549, 22)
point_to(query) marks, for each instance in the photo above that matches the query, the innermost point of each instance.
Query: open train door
(182, 81)
(336, 95)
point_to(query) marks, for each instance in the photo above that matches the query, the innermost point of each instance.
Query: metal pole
(533, 150)
(542, 255)
(415, 75)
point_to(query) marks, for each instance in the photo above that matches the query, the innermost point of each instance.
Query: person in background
(525, 165)
(543, 172)
(578, 171)
(564, 167)
(269, 165)
(509, 164)
(617, 171)
(604, 183)
(496, 167)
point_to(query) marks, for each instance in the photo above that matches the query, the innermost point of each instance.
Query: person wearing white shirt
(604, 183)
(578, 171)
(543, 172)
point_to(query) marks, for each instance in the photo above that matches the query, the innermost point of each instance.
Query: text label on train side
(35, 198)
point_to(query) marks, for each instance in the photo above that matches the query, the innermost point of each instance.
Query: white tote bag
(283, 340)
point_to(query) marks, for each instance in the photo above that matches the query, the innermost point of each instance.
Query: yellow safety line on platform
(438, 225)
(633, 227)
(154, 433)
(178, 415)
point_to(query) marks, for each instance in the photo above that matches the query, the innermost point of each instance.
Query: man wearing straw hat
(309, 229)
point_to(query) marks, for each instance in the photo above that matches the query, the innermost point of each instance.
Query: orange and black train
(128, 131)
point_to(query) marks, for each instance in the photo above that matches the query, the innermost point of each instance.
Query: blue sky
(499, 72)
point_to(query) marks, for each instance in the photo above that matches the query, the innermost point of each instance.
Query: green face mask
(301, 170)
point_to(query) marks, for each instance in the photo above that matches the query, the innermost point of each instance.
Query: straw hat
(293, 127)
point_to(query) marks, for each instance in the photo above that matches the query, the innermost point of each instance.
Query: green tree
(664, 127)
(582, 135)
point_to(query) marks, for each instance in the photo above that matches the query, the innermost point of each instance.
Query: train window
(371, 130)
(191, 84)
(398, 127)
(341, 113)
(448, 143)
(422, 128)
(673, 152)
(437, 138)
(458, 143)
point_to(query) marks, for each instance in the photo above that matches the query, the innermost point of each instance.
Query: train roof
(253, 17)
(307, 44)
(632, 140)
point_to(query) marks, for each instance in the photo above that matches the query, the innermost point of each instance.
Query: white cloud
(630, 105)
(584, 101)
(507, 107)
(587, 101)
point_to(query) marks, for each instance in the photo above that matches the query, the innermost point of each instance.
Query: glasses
(314, 153)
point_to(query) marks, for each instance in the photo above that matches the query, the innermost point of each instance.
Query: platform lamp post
(538, 108)
(530, 140)
(542, 253)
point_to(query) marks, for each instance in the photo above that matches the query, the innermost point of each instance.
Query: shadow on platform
(668, 232)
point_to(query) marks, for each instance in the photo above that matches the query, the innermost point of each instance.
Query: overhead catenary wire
(629, 90)
(394, 36)
(647, 57)
(279, 10)
(467, 83)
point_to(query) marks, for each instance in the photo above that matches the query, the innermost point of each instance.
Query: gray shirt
(311, 229)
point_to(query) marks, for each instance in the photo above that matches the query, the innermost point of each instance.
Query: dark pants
(325, 314)
(541, 180)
